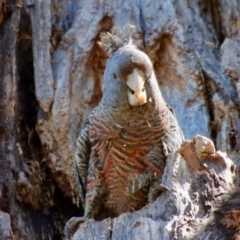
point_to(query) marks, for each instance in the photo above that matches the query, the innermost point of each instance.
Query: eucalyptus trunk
(51, 71)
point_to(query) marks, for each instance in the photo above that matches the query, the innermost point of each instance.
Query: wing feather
(174, 137)
(81, 159)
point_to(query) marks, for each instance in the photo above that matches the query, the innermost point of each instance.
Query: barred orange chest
(118, 153)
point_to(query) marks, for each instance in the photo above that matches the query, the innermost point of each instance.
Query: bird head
(129, 72)
(131, 69)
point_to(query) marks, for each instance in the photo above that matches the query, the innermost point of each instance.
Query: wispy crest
(111, 42)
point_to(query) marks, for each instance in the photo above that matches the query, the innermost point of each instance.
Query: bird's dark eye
(143, 89)
(114, 75)
(131, 91)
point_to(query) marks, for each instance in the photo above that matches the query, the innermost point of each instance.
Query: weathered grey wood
(29, 3)
(5, 226)
(230, 61)
(8, 89)
(40, 13)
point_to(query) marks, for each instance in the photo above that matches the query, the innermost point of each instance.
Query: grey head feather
(111, 42)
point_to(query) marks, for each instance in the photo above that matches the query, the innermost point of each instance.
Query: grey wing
(81, 159)
(174, 137)
(169, 144)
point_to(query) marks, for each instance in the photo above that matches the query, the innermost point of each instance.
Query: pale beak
(137, 95)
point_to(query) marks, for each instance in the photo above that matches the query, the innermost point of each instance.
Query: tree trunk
(51, 74)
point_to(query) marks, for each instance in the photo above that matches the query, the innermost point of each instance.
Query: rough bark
(51, 73)
(5, 226)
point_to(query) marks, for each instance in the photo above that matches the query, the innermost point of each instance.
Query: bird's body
(121, 150)
(119, 171)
